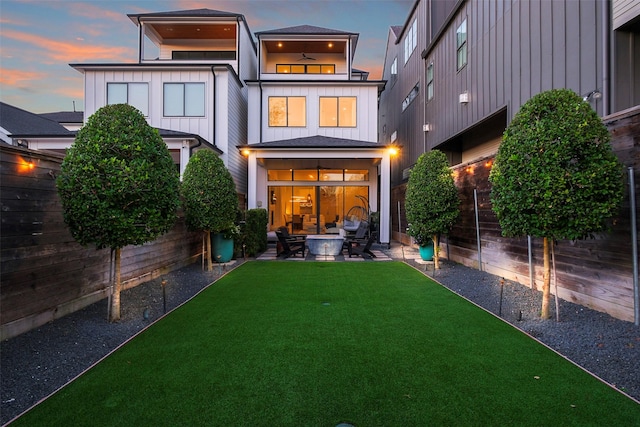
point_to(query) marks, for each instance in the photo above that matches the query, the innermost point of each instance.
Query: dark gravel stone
(37, 363)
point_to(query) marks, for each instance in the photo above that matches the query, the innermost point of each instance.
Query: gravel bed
(36, 363)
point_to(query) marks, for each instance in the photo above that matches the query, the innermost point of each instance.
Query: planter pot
(426, 251)
(222, 249)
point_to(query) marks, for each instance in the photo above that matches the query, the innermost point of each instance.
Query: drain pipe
(634, 245)
(475, 202)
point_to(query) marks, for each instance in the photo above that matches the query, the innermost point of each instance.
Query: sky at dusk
(40, 38)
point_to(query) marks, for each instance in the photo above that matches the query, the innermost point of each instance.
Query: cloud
(68, 52)
(19, 78)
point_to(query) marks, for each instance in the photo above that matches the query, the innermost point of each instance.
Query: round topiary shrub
(432, 200)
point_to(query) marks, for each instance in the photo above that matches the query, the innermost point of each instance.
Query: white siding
(366, 126)
(96, 90)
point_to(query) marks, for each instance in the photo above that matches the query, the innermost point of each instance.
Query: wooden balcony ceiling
(308, 47)
(195, 31)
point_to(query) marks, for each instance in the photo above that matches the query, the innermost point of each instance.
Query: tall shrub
(209, 197)
(118, 185)
(432, 201)
(256, 231)
(555, 175)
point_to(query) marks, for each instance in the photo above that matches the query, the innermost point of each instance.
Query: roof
(192, 13)
(305, 29)
(168, 133)
(22, 123)
(64, 116)
(315, 142)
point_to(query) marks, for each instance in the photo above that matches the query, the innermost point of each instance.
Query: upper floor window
(394, 70)
(134, 94)
(411, 40)
(412, 95)
(287, 111)
(305, 69)
(184, 99)
(430, 81)
(338, 111)
(461, 45)
(193, 55)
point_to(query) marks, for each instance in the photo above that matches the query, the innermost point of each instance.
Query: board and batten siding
(96, 95)
(515, 50)
(366, 118)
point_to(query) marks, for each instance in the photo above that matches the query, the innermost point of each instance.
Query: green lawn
(317, 344)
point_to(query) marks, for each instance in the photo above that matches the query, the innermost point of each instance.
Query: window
(430, 81)
(461, 45)
(134, 94)
(287, 111)
(305, 69)
(338, 111)
(412, 95)
(228, 55)
(184, 99)
(394, 71)
(411, 40)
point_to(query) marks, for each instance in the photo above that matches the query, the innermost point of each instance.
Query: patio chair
(362, 247)
(290, 246)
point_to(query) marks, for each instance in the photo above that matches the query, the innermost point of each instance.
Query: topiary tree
(118, 185)
(555, 175)
(432, 200)
(209, 197)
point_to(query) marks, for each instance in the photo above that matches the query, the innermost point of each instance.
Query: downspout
(238, 19)
(605, 58)
(260, 86)
(215, 96)
(140, 41)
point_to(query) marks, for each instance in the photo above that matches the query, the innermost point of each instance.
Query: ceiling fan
(306, 57)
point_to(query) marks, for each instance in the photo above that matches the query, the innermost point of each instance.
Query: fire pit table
(325, 244)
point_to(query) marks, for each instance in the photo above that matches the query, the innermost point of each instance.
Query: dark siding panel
(559, 44)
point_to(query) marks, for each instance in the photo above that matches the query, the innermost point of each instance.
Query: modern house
(188, 82)
(458, 71)
(314, 160)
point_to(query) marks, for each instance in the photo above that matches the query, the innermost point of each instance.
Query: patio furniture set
(358, 244)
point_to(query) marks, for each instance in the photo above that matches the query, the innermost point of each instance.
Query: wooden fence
(45, 274)
(596, 273)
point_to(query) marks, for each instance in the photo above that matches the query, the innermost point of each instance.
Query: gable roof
(21, 123)
(316, 142)
(305, 30)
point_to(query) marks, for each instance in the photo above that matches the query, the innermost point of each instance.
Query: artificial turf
(319, 344)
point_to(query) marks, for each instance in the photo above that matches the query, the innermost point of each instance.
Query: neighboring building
(71, 120)
(188, 82)
(458, 71)
(28, 130)
(314, 159)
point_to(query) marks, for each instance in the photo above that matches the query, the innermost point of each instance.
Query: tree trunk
(115, 299)
(209, 250)
(546, 283)
(436, 253)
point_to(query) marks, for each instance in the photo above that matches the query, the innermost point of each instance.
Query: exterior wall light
(594, 94)
(427, 127)
(464, 98)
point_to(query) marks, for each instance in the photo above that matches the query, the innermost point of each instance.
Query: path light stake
(501, 293)
(164, 295)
